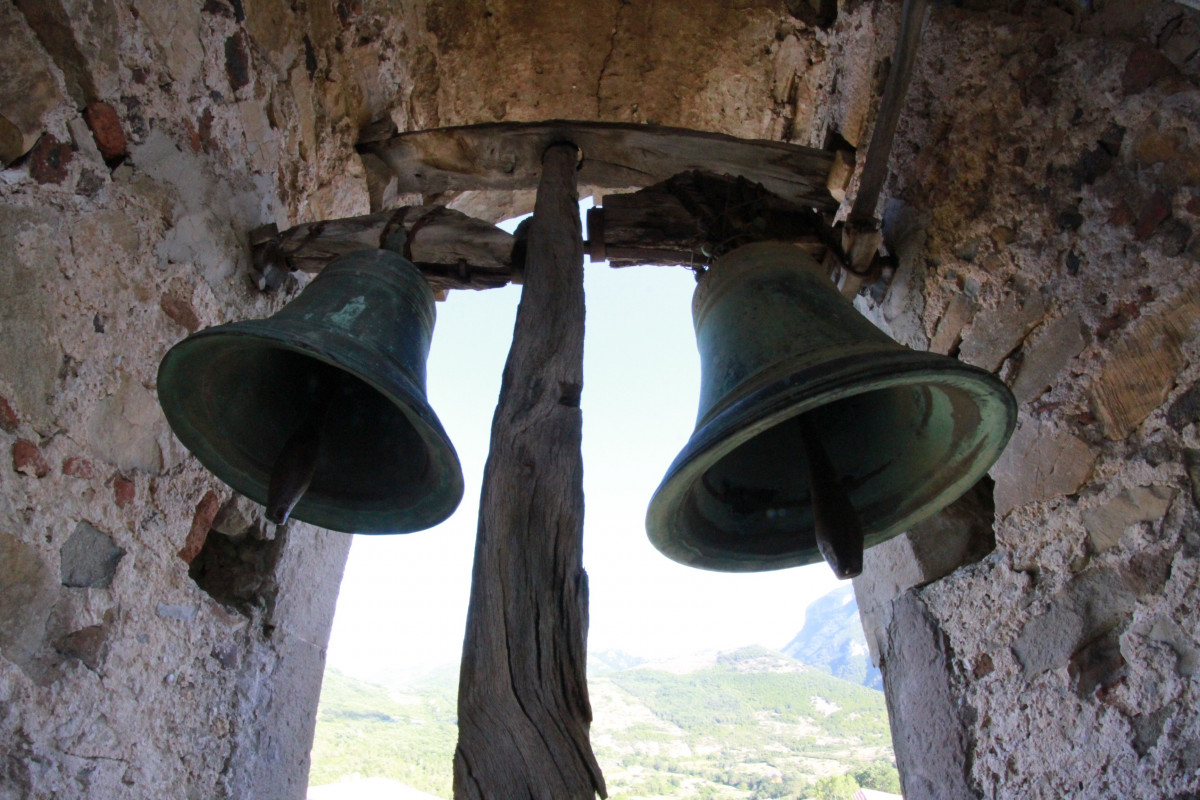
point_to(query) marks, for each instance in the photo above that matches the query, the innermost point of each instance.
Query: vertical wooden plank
(912, 22)
(523, 708)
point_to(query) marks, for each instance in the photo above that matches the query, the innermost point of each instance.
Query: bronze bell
(817, 435)
(323, 404)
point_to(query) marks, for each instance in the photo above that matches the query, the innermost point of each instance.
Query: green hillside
(368, 730)
(746, 688)
(754, 724)
(748, 724)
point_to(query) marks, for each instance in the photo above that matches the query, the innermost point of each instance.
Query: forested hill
(747, 724)
(832, 640)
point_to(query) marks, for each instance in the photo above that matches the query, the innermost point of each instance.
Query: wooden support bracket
(452, 250)
(686, 220)
(507, 156)
(696, 216)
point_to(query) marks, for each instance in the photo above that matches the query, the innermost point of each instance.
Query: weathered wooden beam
(523, 708)
(696, 216)
(686, 220)
(452, 250)
(904, 56)
(615, 155)
(841, 173)
(861, 236)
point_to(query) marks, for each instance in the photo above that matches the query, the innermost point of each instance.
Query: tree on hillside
(880, 775)
(834, 787)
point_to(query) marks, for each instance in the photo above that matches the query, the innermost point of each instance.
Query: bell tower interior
(169, 167)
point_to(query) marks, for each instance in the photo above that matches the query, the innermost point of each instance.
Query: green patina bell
(323, 406)
(817, 434)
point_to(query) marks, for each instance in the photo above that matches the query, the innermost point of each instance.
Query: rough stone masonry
(1047, 171)
(158, 639)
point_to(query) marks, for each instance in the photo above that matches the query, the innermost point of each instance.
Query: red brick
(48, 160)
(1144, 68)
(202, 520)
(1121, 215)
(78, 467)
(8, 418)
(204, 132)
(180, 311)
(1122, 315)
(106, 130)
(124, 491)
(87, 644)
(1155, 147)
(1154, 211)
(200, 133)
(193, 136)
(28, 459)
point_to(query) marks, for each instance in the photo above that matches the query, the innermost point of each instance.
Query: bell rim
(297, 340)
(792, 396)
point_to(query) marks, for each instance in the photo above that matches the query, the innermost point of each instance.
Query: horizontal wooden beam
(452, 250)
(685, 221)
(692, 218)
(507, 156)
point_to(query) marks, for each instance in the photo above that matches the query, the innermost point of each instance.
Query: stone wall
(156, 638)
(1049, 164)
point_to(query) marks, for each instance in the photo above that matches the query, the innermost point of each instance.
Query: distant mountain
(369, 731)
(752, 723)
(607, 661)
(832, 640)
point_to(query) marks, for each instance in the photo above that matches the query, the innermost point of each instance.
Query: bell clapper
(297, 461)
(835, 522)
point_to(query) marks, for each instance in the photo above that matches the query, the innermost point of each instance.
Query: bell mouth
(234, 395)
(907, 432)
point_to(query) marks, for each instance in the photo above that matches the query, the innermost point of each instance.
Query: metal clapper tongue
(835, 522)
(297, 461)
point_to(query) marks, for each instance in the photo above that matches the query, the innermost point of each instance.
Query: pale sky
(403, 599)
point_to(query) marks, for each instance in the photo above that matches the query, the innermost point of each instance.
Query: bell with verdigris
(319, 412)
(817, 435)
